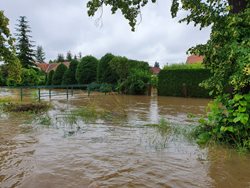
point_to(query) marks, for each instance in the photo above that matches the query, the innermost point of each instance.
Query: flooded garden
(114, 141)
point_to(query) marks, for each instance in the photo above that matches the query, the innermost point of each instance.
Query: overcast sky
(63, 25)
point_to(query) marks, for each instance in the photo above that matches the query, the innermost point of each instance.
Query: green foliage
(86, 70)
(12, 73)
(50, 77)
(105, 72)
(31, 77)
(69, 56)
(182, 82)
(136, 83)
(60, 58)
(24, 44)
(40, 54)
(228, 122)
(184, 66)
(58, 75)
(133, 75)
(154, 81)
(69, 76)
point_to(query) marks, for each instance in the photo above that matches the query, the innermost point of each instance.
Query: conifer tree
(24, 44)
(40, 54)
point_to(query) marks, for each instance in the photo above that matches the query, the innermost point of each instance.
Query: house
(192, 59)
(49, 67)
(155, 70)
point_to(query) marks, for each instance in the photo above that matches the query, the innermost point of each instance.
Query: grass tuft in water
(26, 107)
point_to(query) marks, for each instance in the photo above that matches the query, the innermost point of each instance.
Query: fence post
(39, 94)
(21, 94)
(67, 93)
(49, 94)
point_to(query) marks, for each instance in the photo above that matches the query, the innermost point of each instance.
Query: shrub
(30, 77)
(183, 82)
(50, 77)
(69, 76)
(58, 75)
(86, 70)
(105, 72)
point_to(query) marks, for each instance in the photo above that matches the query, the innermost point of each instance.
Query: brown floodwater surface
(114, 153)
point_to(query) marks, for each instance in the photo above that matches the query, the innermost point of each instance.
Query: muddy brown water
(121, 153)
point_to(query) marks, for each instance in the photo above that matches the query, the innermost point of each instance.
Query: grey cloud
(63, 25)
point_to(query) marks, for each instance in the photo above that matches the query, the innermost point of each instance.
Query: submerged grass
(26, 107)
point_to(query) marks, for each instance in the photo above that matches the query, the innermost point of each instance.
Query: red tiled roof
(53, 66)
(155, 70)
(42, 66)
(194, 59)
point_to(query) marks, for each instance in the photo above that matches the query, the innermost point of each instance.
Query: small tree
(86, 70)
(105, 72)
(69, 76)
(69, 56)
(24, 45)
(157, 65)
(60, 58)
(50, 77)
(40, 54)
(58, 75)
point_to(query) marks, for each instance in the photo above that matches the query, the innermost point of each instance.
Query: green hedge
(183, 82)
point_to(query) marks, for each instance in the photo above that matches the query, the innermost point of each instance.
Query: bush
(58, 75)
(50, 77)
(183, 82)
(136, 83)
(31, 77)
(228, 122)
(69, 76)
(105, 73)
(86, 70)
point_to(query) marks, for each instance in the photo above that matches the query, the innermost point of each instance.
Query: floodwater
(119, 153)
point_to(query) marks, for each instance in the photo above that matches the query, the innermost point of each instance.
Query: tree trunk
(237, 5)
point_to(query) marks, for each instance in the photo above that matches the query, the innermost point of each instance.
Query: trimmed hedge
(183, 83)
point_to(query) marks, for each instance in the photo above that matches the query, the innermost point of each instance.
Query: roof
(194, 59)
(42, 66)
(52, 66)
(155, 70)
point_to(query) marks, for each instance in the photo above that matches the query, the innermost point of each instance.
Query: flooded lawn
(55, 150)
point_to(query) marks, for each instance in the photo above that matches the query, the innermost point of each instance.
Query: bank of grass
(18, 107)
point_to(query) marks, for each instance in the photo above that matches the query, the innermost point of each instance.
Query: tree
(105, 72)
(24, 45)
(69, 56)
(86, 70)
(58, 75)
(50, 77)
(120, 65)
(60, 58)
(69, 76)
(7, 52)
(40, 54)
(157, 65)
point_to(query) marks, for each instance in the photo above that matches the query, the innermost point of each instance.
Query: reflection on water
(114, 154)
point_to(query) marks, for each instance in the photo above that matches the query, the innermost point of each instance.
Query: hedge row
(183, 83)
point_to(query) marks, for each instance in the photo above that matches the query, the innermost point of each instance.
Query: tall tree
(60, 58)
(24, 44)
(40, 54)
(7, 52)
(86, 70)
(58, 75)
(69, 56)
(69, 76)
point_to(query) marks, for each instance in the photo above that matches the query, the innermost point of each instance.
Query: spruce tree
(69, 56)
(24, 44)
(40, 54)
(60, 58)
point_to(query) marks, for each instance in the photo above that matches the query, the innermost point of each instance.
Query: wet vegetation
(26, 107)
